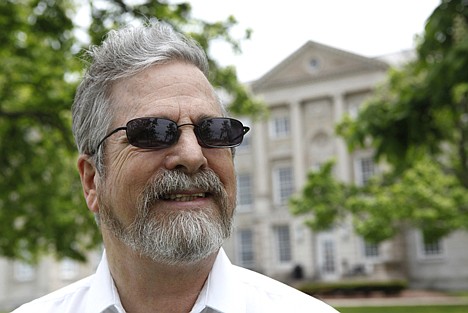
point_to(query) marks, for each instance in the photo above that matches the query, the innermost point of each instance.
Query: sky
(367, 27)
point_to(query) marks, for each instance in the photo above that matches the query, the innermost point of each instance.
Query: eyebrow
(204, 117)
(195, 121)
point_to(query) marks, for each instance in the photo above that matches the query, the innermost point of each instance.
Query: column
(298, 142)
(342, 155)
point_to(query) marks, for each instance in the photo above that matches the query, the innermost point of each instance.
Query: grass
(406, 309)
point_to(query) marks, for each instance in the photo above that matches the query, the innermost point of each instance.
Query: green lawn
(406, 309)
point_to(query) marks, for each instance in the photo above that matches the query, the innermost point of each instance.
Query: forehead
(174, 90)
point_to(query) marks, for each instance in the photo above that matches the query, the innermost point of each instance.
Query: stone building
(307, 94)
(21, 282)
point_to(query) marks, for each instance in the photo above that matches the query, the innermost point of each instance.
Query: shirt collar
(222, 291)
(103, 293)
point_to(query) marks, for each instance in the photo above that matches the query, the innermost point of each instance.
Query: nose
(187, 154)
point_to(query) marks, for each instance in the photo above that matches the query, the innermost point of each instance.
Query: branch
(123, 6)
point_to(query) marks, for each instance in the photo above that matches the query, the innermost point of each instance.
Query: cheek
(127, 176)
(120, 179)
(133, 168)
(231, 189)
(231, 184)
(223, 166)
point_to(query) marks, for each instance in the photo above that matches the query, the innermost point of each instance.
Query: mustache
(175, 181)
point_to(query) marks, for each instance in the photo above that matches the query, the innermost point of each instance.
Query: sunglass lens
(152, 132)
(221, 132)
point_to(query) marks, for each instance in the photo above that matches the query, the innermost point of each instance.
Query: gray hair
(122, 54)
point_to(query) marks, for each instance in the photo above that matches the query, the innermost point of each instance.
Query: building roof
(315, 61)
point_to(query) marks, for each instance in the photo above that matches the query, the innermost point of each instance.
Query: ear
(88, 174)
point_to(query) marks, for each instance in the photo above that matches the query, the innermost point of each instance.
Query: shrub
(354, 288)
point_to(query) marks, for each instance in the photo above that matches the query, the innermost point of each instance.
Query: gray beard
(180, 237)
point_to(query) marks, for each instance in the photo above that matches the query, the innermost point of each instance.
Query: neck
(148, 286)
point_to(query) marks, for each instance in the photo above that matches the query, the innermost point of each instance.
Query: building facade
(21, 282)
(307, 94)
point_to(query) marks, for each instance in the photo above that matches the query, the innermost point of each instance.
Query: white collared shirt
(228, 289)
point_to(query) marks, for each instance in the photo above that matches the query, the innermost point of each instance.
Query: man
(156, 165)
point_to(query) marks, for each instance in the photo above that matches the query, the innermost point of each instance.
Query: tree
(417, 123)
(114, 13)
(41, 205)
(325, 195)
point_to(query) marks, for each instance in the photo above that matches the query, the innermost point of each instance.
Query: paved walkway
(407, 298)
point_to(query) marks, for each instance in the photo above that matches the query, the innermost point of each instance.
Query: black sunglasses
(159, 133)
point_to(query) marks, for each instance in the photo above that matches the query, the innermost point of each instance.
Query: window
(371, 250)
(283, 184)
(246, 248)
(244, 192)
(314, 65)
(432, 248)
(429, 248)
(280, 127)
(353, 110)
(365, 169)
(23, 272)
(283, 243)
(328, 256)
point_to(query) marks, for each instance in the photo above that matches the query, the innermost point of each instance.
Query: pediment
(315, 61)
